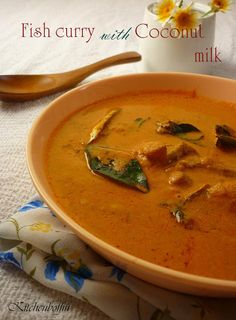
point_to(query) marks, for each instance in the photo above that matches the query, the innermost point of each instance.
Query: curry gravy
(141, 223)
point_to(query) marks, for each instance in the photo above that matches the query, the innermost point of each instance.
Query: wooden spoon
(30, 87)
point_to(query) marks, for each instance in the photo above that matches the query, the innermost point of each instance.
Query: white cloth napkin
(52, 254)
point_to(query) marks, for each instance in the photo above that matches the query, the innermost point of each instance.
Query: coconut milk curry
(154, 175)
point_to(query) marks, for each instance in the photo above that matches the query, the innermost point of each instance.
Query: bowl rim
(80, 231)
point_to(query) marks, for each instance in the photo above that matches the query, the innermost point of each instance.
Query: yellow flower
(164, 10)
(185, 18)
(40, 226)
(62, 252)
(73, 257)
(220, 5)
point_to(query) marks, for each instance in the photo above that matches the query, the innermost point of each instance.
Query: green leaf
(29, 254)
(183, 128)
(194, 138)
(32, 272)
(226, 137)
(14, 221)
(184, 131)
(207, 13)
(223, 130)
(130, 173)
(173, 128)
(140, 121)
(53, 246)
(226, 142)
(21, 250)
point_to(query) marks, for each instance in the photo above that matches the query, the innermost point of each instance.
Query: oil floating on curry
(154, 175)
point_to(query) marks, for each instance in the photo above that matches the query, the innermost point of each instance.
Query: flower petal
(84, 271)
(9, 257)
(118, 273)
(32, 205)
(51, 270)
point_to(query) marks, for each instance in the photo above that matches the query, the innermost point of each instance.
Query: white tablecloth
(24, 55)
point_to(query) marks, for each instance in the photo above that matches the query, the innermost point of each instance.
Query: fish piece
(176, 152)
(223, 189)
(203, 189)
(205, 163)
(178, 177)
(153, 150)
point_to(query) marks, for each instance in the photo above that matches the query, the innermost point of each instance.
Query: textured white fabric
(20, 55)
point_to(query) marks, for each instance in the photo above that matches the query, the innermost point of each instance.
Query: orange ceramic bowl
(58, 110)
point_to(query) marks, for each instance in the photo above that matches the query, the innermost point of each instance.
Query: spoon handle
(81, 73)
(30, 87)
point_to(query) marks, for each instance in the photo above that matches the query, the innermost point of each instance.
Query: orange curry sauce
(143, 223)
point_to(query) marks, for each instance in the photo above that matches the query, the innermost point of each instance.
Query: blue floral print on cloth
(53, 255)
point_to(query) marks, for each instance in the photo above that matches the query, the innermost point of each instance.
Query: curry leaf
(130, 174)
(226, 142)
(183, 128)
(226, 138)
(223, 130)
(173, 128)
(140, 121)
(184, 131)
